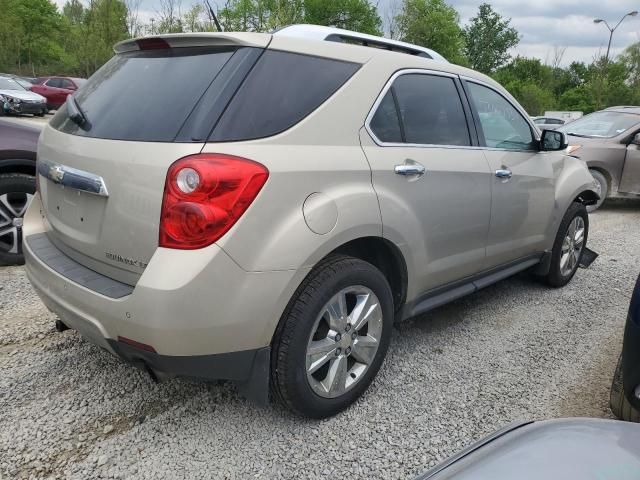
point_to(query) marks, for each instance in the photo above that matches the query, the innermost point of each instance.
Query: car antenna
(213, 17)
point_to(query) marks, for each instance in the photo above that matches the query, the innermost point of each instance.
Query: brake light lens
(153, 43)
(204, 196)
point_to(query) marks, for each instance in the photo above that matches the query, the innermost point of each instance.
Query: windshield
(10, 84)
(601, 125)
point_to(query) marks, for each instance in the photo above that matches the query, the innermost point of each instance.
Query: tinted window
(502, 124)
(54, 82)
(281, 90)
(67, 84)
(605, 124)
(431, 110)
(145, 95)
(385, 124)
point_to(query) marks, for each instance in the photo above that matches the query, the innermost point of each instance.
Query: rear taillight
(204, 196)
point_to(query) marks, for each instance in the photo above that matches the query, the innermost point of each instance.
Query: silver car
(299, 196)
(559, 449)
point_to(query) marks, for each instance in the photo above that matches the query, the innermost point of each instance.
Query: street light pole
(611, 30)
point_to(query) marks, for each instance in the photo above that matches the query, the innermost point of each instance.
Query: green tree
(40, 23)
(264, 15)
(630, 58)
(358, 15)
(11, 36)
(432, 24)
(488, 38)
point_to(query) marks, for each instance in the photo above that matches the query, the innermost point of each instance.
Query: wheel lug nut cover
(338, 337)
(338, 351)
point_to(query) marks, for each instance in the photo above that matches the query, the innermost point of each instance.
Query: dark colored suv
(625, 391)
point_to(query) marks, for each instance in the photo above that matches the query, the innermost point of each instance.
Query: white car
(14, 98)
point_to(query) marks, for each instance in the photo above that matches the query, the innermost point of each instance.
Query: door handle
(504, 173)
(410, 168)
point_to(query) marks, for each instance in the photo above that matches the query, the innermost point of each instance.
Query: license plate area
(74, 213)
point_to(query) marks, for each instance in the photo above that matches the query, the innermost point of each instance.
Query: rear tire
(16, 191)
(618, 402)
(604, 189)
(565, 256)
(307, 350)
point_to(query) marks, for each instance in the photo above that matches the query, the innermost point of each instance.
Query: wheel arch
(386, 257)
(18, 165)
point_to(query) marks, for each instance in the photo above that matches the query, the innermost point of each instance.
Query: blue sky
(543, 24)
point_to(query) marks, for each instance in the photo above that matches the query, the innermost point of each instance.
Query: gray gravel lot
(517, 350)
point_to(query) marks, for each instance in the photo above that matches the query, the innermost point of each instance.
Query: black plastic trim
(249, 369)
(56, 260)
(446, 294)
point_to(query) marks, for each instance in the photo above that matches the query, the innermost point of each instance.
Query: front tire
(333, 337)
(569, 245)
(618, 401)
(16, 192)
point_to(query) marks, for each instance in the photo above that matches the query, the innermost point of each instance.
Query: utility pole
(611, 30)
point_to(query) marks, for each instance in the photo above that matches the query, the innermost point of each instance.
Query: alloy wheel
(572, 246)
(344, 341)
(13, 206)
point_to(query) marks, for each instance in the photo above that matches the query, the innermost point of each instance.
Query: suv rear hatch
(104, 159)
(102, 180)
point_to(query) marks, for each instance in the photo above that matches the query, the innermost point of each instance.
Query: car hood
(22, 95)
(561, 449)
(576, 140)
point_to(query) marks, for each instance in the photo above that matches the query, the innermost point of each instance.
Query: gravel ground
(516, 350)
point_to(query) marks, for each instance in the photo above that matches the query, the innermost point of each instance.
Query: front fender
(573, 183)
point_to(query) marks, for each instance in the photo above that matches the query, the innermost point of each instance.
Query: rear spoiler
(178, 40)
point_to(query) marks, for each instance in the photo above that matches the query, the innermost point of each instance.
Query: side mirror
(553, 141)
(636, 139)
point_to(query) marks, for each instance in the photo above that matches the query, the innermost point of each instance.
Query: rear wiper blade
(75, 112)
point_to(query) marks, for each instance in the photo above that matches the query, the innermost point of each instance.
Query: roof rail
(331, 34)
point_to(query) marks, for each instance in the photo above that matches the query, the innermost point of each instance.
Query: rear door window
(281, 90)
(430, 112)
(54, 82)
(145, 95)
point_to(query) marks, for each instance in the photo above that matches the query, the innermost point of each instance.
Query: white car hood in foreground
(23, 95)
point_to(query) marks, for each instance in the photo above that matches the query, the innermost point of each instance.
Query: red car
(56, 89)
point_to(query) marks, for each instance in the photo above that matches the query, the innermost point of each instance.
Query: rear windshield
(601, 124)
(144, 95)
(195, 94)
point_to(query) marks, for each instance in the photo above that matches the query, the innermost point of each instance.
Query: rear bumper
(200, 312)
